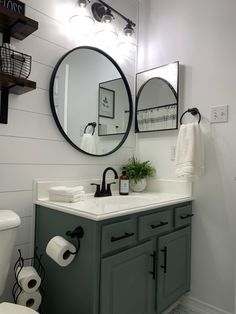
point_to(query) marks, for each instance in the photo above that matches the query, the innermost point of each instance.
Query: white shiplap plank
(51, 30)
(36, 101)
(41, 74)
(20, 202)
(20, 177)
(50, 152)
(41, 50)
(24, 232)
(28, 124)
(53, 8)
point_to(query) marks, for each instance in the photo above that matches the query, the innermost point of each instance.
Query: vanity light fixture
(102, 12)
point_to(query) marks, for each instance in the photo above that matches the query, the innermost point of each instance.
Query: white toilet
(9, 221)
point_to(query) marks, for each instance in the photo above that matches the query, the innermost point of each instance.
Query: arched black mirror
(91, 101)
(157, 99)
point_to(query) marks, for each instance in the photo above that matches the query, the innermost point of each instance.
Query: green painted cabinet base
(173, 267)
(126, 283)
(134, 264)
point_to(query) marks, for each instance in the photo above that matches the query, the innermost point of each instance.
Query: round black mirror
(91, 101)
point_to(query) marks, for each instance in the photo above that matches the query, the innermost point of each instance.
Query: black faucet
(106, 189)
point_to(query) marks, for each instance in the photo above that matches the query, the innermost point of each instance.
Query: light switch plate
(219, 114)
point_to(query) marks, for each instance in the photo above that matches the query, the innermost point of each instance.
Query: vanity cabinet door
(127, 286)
(173, 267)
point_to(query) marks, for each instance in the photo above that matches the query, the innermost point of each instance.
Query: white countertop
(114, 206)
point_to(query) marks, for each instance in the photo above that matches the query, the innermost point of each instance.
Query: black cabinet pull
(126, 235)
(153, 272)
(165, 259)
(162, 223)
(186, 216)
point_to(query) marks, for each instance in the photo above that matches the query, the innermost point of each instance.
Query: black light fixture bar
(118, 13)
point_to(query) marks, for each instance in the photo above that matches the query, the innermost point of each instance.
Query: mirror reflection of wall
(157, 99)
(113, 108)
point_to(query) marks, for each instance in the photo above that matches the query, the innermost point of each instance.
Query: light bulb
(82, 3)
(128, 30)
(107, 16)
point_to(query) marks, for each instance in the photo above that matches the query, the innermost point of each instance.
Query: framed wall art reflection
(106, 103)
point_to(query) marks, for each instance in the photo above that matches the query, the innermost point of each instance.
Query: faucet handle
(97, 193)
(109, 188)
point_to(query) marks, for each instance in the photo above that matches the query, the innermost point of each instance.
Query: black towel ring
(194, 112)
(92, 124)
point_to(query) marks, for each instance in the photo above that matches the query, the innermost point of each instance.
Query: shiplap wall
(31, 145)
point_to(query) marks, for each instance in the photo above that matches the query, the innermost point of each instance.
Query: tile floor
(180, 309)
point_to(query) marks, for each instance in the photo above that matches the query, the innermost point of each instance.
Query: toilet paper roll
(59, 250)
(28, 279)
(30, 300)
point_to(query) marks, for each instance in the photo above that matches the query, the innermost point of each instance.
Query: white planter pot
(139, 186)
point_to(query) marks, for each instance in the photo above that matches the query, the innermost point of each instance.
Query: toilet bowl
(9, 308)
(9, 222)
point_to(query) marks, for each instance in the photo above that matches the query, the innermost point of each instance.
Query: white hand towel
(88, 143)
(189, 152)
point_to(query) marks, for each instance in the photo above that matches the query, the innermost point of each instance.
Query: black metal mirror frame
(175, 92)
(51, 98)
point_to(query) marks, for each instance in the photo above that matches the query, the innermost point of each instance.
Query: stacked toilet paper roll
(29, 281)
(59, 249)
(31, 300)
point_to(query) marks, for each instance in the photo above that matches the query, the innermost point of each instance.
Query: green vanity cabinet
(133, 264)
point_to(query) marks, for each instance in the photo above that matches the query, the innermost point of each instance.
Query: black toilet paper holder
(77, 234)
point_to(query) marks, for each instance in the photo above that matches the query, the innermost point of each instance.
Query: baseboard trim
(200, 307)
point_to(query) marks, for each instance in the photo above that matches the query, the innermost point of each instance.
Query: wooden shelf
(16, 25)
(15, 85)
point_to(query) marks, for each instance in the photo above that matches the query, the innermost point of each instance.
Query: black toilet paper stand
(20, 263)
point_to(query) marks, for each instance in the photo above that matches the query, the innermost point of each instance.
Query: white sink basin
(115, 203)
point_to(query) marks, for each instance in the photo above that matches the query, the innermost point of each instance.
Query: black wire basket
(15, 63)
(20, 263)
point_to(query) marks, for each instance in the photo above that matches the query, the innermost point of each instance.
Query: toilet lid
(9, 308)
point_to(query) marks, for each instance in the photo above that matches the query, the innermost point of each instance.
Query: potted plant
(138, 171)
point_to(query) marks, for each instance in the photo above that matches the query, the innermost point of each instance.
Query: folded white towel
(189, 157)
(66, 191)
(68, 199)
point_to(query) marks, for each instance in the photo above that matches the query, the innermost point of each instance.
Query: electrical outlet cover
(219, 114)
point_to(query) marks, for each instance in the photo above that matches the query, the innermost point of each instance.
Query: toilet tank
(9, 221)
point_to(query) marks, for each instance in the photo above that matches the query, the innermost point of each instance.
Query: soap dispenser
(124, 184)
